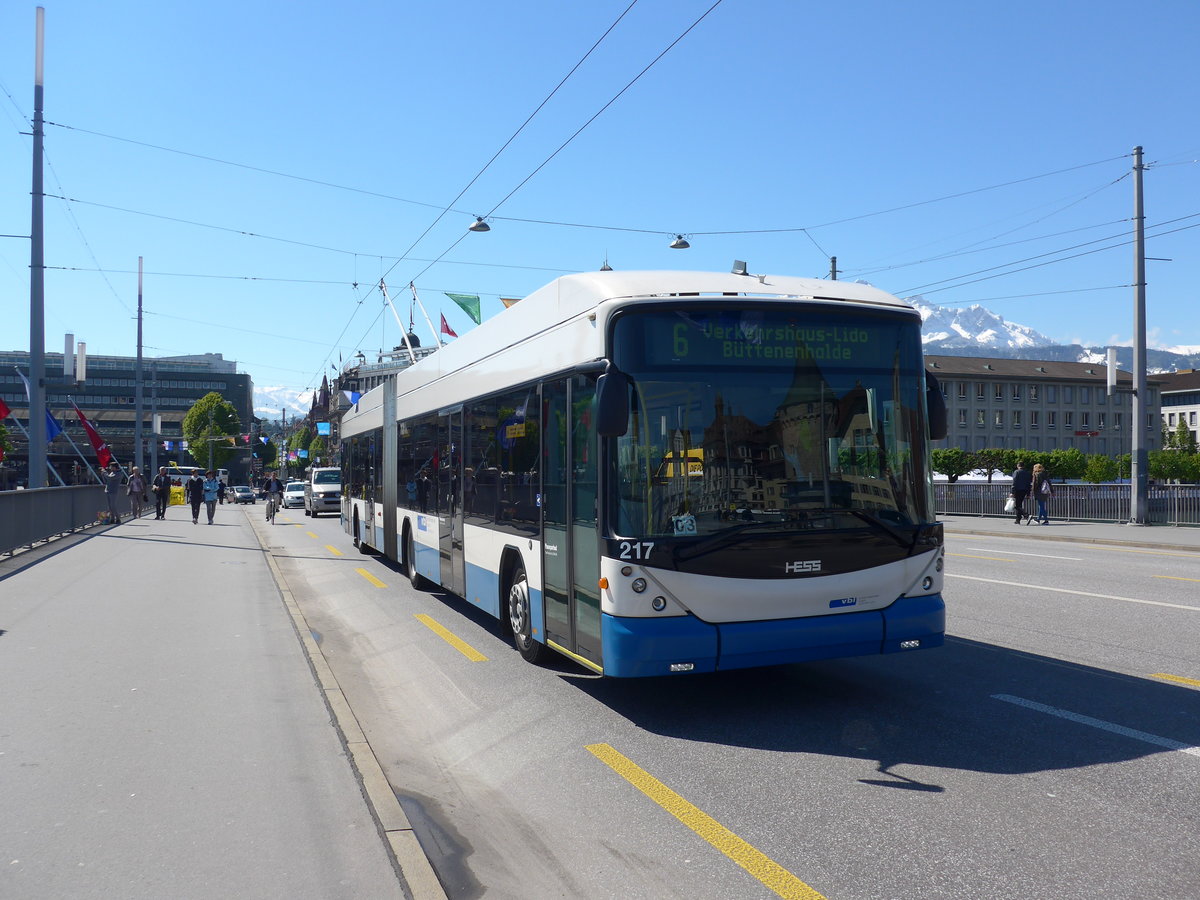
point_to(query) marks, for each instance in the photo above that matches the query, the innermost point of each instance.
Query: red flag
(446, 329)
(5, 412)
(103, 454)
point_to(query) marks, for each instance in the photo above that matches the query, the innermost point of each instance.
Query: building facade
(1023, 404)
(1181, 401)
(170, 387)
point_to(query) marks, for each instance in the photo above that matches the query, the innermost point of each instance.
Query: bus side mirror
(936, 404)
(612, 402)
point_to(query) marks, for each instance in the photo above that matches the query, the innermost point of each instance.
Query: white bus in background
(532, 467)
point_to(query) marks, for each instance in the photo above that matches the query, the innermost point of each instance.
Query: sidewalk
(1151, 537)
(162, 733)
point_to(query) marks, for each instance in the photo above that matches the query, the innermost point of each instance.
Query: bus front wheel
(519, 617)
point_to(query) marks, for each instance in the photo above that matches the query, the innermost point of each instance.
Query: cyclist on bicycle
(273, 489)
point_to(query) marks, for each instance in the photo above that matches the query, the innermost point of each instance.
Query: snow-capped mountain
(269, 401)
(976, 331)
(946, 329)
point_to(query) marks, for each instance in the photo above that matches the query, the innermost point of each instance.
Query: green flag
(469, 303)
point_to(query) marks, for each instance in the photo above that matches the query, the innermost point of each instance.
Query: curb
(408, 859)
(1070, 539)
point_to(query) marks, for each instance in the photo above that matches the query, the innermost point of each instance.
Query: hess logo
(801, 566)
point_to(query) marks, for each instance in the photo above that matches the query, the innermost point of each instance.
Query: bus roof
(555, 327)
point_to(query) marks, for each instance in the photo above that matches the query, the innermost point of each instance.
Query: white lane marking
(1015, 553)
(1101, 724)
(1042, 587)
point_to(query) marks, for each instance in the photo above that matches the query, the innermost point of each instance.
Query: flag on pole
(53, 429)
(446, 329)
(5, 412)
(103, 454)
(468, 303)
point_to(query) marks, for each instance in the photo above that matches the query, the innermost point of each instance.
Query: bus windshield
(797, 417)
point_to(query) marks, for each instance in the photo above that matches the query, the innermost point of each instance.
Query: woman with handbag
(1043, 490)
(136, 489)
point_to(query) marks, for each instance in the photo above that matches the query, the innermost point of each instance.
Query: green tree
(1099, 469)
(1068, 463)
(1183, 440)
(268, 453)
(990, 460)
(1169, 465)
(206, 428)
(952, 462)
(317, 455)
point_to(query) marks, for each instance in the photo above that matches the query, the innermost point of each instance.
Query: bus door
(570, 541)
(450, 501)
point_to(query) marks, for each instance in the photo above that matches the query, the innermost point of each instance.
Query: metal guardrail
(39, 514)
(1168, 504)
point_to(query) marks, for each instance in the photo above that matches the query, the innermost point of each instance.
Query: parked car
(293, 495)
(242, 493)
(323, 491)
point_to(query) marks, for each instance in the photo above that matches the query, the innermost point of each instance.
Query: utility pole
(833, 269)
(1138, 487)
(137, 382)
(37, 282)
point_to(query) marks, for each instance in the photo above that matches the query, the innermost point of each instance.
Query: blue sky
(265, 158)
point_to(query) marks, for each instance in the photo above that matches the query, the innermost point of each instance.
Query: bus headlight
(658, 604)
(927, 583)
(639, 585)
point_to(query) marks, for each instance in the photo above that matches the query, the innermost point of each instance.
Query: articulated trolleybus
(663, 472)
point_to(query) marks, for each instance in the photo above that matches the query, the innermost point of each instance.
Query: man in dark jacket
(161, 485)
(194, 491)
(1022, 481)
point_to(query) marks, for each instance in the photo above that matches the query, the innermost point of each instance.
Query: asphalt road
(1048, 750)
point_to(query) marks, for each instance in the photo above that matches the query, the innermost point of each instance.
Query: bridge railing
(1168, 504)
(39, 514)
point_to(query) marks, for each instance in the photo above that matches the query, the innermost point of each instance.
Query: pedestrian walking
(1043, 490)
(113, 480)
(193, 489)
(136, 489)
(1022, 480)
(212, 492)
(162, 492)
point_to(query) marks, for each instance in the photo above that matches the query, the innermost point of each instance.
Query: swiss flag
(446, 329)
(5, 412)
(103, 454)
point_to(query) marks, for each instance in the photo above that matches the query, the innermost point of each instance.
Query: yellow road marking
(1174, 578)
(762, 867)
(970, 556)
(453, 640)
(371, 578)
(1178, 678)
(311, 535)
(334, 550)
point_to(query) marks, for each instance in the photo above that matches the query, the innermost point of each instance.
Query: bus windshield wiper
(903, 538)
(722, 539)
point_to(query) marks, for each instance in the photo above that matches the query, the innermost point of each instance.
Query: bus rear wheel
(519, 617)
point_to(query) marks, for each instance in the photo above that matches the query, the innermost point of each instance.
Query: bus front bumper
(682, 644)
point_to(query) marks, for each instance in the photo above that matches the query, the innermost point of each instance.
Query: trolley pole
(1138, 495)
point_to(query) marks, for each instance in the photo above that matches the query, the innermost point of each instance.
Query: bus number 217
(636, 549)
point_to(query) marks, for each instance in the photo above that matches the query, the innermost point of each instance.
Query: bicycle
(272, 505)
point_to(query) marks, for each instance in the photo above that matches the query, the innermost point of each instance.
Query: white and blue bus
(535, 467)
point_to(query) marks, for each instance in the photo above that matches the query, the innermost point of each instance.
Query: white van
(323, 491)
